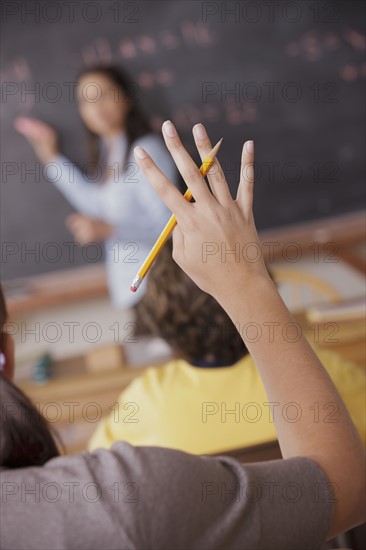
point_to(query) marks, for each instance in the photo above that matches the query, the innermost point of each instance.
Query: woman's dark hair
(25, 437)
(188, 319)
(136, 123)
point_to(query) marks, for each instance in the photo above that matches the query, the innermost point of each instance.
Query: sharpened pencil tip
(214, 151)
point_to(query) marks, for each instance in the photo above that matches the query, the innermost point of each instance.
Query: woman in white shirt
(114, 200)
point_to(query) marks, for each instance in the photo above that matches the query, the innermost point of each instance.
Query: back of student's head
(188, 319)
(25, 438)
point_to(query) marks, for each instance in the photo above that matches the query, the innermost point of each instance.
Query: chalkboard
(290, 75)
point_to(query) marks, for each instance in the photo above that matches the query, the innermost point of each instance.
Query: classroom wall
(289, 75)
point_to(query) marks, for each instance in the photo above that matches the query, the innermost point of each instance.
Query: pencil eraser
(133, 288)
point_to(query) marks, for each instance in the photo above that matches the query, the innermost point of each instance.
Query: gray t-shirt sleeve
(154, 498)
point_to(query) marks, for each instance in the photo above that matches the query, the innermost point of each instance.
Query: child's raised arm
(216, 244)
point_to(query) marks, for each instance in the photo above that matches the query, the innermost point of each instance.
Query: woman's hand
(215, 241)
(41, 136)
(86, 230)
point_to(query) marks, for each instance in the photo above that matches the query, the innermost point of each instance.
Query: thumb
(71, 220)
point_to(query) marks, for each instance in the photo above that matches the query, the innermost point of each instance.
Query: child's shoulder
(157, 375)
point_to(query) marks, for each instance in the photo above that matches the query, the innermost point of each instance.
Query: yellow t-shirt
(210, 410)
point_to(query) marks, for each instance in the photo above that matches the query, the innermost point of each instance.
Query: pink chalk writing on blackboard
(196, 33)
(146, 44)
(349, 73)
(331, 41)
(18, 89)
(127, 49)
(312, 45)
(164, 77)
(145, 80)
(169, 40)
(355, 39)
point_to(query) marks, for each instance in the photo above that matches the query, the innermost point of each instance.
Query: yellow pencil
(205, 167)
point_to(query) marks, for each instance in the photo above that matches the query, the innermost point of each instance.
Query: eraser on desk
(110, 357)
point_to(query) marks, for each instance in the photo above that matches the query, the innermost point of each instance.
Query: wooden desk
(349, 337)
(74, 400)
(53, 289)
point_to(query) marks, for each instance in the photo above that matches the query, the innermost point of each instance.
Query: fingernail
(199, 131)
(249, 146)
(168, 128)
(140, 153)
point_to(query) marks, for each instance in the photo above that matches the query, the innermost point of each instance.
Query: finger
(69, 223)
(170, 195)
(72, 217)
(81, 234)
(31, 128)
(185, 164)
(76, 227)
(72, 220)
(246, 184)
(216, 176)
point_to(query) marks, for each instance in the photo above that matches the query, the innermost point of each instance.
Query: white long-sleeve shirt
(127, 201)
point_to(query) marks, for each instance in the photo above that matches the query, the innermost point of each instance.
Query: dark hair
(137, 124)
(191, 321)
(25, 436)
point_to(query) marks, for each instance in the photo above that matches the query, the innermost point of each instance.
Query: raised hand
(41, 136)
(215, 241)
